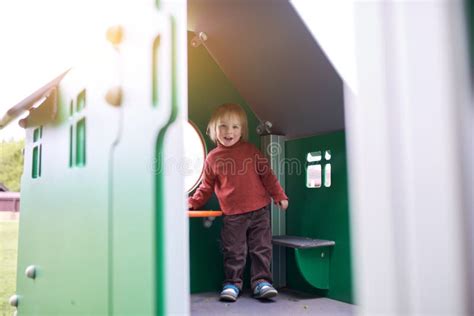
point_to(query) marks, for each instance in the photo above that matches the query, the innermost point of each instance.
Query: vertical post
(273, 147)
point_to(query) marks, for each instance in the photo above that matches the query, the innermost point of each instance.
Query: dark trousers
(250, 231)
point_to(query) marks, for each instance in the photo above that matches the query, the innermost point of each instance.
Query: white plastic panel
(408, 222)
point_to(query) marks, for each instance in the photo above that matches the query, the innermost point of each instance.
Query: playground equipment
(107, 142)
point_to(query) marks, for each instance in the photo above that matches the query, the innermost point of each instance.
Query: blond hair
(224, 111)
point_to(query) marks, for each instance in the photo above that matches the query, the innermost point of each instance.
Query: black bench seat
(301, 242)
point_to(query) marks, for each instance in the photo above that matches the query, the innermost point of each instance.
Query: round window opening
(194, 156)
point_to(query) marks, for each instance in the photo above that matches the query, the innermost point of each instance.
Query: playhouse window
(327, 155)
(194, 155)
(81, 100)
(315, 176)
(313, 156)
(77, 131)
(37, 152)
(327, 175)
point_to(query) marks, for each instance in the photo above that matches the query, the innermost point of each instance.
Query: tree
(11, 163)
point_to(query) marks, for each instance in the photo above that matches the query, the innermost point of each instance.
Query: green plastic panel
(208, 87)
(102, 236)
(314, 265)
(320, 213)
(140, 278)
(160, 195)
(63, 225)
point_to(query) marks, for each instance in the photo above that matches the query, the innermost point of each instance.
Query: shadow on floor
(288, 302)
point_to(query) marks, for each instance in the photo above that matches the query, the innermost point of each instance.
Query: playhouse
(104, 228)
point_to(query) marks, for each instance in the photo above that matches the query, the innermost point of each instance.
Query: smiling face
(229, 130)
(232, 120)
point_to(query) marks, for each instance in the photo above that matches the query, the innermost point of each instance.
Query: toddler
(241, 177)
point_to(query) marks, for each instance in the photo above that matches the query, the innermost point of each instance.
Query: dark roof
(30, 101)
(267, 52)
(3, 188)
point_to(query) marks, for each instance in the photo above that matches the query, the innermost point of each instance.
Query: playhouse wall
(63, 225)
(102, 213)
(148, 246)
(320, 213)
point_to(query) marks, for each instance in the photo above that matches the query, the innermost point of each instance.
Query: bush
(11, 162)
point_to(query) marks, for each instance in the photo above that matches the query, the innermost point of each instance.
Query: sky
(38, 41)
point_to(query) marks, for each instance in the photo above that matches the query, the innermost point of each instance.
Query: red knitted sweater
(241, 178)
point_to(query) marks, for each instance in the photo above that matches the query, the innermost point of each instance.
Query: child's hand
(190, 207)
(283, 204)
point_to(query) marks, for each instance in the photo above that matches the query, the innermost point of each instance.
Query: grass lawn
(8, 259)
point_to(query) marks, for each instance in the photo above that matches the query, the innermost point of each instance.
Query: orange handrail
(204, 213)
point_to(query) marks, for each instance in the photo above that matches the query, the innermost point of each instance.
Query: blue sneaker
(229, 293)
(264, 290)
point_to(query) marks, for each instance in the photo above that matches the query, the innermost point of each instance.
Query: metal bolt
(114, 96)
(195, 42)
(30, 272)
(115, 34)
(207, 223)
(202, 36)
(14, 300)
